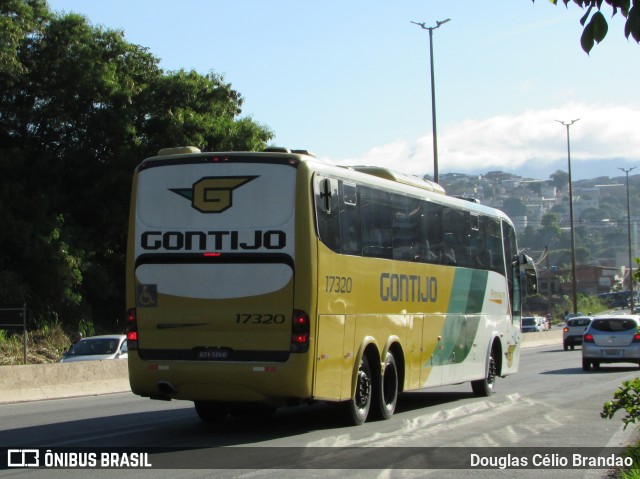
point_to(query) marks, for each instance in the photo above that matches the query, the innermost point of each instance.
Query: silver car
(94, 348)
(611, 339)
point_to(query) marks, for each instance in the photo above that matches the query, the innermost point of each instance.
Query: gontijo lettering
(408, 287)
(213, 240)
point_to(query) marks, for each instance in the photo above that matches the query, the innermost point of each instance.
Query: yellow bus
(257, 280)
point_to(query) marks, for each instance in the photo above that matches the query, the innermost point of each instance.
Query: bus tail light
(588, 338)
(300, 329)
(132, 329)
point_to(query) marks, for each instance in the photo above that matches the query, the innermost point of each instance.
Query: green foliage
(586, 305)
(626, 398)
(595, 24)
(514, 207)
(80, 107)
(633, 452)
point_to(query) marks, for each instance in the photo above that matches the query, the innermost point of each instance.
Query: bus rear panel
(212, 280)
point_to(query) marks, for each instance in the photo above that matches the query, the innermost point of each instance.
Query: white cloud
(514, 142)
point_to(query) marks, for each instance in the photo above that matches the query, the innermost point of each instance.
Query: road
(551, 402)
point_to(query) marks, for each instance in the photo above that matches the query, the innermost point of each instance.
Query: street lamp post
(433, 94)
(626, 171)
(573, 235)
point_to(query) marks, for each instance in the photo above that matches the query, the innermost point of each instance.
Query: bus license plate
(213, 354)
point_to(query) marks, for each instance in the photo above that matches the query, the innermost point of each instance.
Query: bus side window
(350, 230)
(327, 211)
(406, 230)
(492, 235)
(377, 234)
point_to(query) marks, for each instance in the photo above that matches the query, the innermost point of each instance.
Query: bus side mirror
(528, 269)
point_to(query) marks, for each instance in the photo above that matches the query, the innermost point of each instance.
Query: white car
(111, 346)
(573, 331)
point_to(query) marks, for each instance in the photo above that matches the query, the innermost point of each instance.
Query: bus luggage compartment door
(334, 357)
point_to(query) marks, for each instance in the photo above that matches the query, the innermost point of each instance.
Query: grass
(44, 345)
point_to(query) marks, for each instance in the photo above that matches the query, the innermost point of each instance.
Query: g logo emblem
(212, 194)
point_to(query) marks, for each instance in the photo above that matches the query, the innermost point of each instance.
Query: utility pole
(629, 239)
(573, 235)
(433, 94)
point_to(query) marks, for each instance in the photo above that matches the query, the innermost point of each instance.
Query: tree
(560, 179)
(514, 207)
(595, 24)
(80, 107)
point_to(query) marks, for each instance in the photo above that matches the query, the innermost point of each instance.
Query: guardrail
(33, 382)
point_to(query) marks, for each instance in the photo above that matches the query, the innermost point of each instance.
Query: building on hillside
(590, 280)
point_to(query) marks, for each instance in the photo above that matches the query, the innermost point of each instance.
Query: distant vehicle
(611, 339)
(543, 322)
(573, 331)
(618, 299)
(94, 348)
(534, 324)
(573, 315)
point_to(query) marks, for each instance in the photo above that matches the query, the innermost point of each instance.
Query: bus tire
(386, 395)
(211, 411)
(484, 387)
(358, 406)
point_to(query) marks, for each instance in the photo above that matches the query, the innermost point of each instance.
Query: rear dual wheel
(387, 391)
(381, 392)
(360, 403)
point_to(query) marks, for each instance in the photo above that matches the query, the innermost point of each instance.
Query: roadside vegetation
(81, 107)
(45, 344)
(627, 399)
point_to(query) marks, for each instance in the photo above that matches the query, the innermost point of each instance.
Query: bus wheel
(358, 406)
(211, 411)
(484, 387)
(387, 391)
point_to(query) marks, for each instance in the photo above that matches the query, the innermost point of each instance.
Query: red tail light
(636, 338)
(588, 338)
(300, 329)
(565, 330)
(132, 329)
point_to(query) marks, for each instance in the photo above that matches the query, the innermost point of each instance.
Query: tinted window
(579, 322)
(612, 325)
(528, 322)
(350, 233)
(365, 221)
(327, 211)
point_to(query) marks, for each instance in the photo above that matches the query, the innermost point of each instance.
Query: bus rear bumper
(277, 384)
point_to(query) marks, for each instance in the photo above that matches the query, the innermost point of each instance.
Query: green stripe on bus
(458, 333)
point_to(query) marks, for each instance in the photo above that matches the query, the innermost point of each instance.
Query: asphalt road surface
(550, 403)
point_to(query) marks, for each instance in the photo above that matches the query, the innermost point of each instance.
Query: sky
(350, 80)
